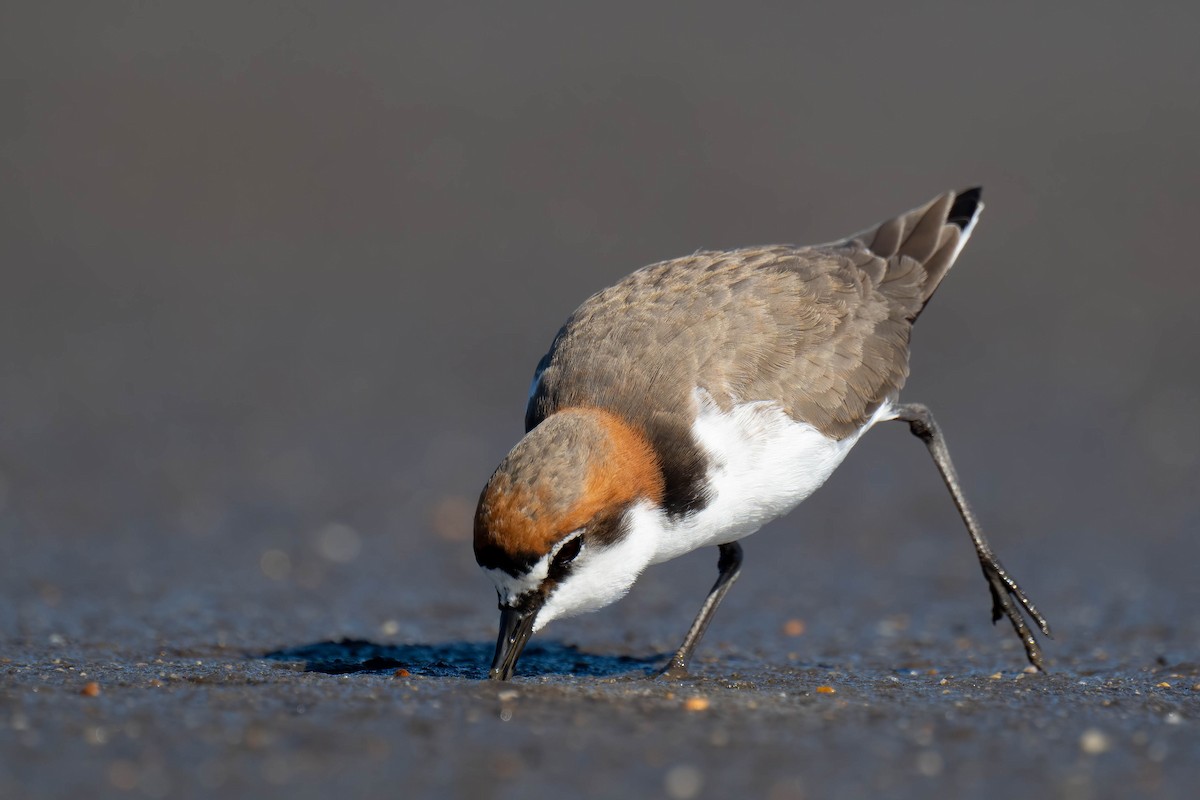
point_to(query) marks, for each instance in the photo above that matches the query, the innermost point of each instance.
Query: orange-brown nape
(577, 465)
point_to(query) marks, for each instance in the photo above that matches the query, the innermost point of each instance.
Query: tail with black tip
(929, 238)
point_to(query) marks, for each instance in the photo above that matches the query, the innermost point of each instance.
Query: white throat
(601, 576)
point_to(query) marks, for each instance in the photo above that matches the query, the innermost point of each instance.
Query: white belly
(762, 465)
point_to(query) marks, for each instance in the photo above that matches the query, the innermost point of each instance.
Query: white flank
(762, 465)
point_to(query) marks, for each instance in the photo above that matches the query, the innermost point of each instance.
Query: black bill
(516, 626)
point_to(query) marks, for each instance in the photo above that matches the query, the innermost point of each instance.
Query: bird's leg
(728, 567)
(1003, 587)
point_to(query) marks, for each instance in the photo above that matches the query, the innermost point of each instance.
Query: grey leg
(728, 567)
(1003, 587)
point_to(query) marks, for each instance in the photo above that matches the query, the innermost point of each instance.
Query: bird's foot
(675, 670)
(1004, 590)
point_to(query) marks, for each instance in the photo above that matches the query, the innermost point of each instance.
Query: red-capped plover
(700, 398)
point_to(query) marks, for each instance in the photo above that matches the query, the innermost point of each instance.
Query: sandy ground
(209, 676)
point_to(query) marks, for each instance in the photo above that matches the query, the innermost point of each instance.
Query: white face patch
(599, 576)
(512, 588)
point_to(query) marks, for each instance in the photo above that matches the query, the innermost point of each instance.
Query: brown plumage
(822, 330)
(581, 463)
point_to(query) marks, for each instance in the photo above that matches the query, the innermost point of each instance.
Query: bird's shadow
(455, 659)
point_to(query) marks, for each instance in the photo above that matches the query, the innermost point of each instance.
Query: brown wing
(823, 330)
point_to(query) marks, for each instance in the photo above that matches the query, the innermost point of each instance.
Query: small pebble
(995, 676)
(90, 689)
(507, 695)
(826, 690)
(1163, 685)
(794, 627)
(401, 673)
(696, 704)
(1094, 742)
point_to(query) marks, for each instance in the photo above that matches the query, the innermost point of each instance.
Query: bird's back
(823, 331)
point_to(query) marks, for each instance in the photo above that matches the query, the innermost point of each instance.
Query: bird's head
(554, 527)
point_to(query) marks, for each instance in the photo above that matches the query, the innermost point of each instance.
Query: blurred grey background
(278, 267)
(276, 275)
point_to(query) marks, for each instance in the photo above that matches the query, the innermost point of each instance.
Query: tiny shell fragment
(696, 704)
(826, 690)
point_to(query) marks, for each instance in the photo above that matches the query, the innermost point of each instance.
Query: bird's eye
(566, 554)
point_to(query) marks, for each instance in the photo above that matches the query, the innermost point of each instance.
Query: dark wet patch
(454, 659)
